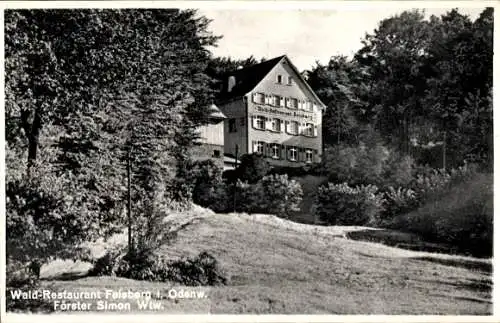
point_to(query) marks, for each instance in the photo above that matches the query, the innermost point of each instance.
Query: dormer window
(279, 79)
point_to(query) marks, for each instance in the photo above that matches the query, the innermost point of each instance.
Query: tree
(394, 56)
(218, 67)
(338, 85)
(432, 82)
(63, 118)
(459, 90)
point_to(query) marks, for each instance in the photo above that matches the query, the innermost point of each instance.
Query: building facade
(211, 141)
(272, 111)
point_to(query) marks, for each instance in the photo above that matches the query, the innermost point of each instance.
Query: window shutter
(287, 100)
(254, 145)
(282, 125)
(282, 101)
(315, 107)
(283, 152)
(287, 125)
(254, 97)
(254, 122)
(315, 131)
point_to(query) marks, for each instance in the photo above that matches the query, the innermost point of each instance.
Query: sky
(306, 36)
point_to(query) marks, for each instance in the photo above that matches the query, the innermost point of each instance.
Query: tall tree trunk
(32, 131)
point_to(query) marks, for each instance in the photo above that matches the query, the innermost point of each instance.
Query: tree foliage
(416, 81)
(85, 90)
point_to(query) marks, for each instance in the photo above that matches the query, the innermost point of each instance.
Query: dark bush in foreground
(202, 270)
(462, 216)
(20, 280)
(340, 204)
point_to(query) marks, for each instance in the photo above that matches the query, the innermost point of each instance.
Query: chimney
(231, 82)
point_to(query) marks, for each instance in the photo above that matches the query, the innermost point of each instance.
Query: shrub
(431, 184)
(208, 188)
(399, 171)
(461, 216)
(202, 270)
(276, 194)
(398, 201)
(280, 195)
(252, 168)
(108, 264)
(364, 165)
(216, 196)
(247, 197)
(340, 204)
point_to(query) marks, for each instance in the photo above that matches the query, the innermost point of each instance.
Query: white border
(246, 5)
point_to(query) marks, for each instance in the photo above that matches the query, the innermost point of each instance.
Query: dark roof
(247, 78)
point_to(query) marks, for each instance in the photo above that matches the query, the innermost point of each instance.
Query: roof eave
(322, 105)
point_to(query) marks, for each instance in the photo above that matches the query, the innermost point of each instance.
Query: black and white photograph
(252, 158)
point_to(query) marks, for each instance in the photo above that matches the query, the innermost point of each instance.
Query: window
(275, 151)
(279, 79)
(276, 100)
(232, 125)
(309, 129)
(259, 147)
(259, 98)
(242, 121)
(259, 122)
(217, 153)
(309, 106)
(293, 128)
(292, 153)
(294, 103)
(289, 80)
(309, 156)
(276, 125)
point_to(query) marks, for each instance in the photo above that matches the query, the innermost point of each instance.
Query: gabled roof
(215, 112)
(246, 79)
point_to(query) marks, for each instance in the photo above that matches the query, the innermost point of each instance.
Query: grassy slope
(276, 266)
